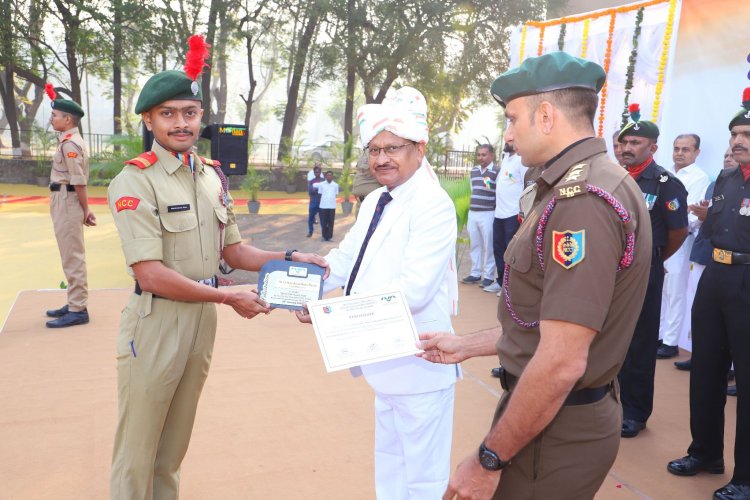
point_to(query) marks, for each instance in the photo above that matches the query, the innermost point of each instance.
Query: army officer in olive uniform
(175, 220)
(570, 298)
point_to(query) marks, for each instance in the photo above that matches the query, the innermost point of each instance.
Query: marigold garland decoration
(523, 44)
(607, 60)
(540, 49)
(629, 73)
(663, 62)
(596, 15)
(561, 38)
(585, 38)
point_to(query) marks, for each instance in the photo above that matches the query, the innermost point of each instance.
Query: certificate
(363, 329)
(290, 285)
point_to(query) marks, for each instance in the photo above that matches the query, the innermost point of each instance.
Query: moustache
(739, 148)
(186, 131)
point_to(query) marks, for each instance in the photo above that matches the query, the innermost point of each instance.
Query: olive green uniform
(163, 212)
(70, 167)
(572, 275)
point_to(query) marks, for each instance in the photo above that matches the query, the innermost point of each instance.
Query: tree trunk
(290, 112)
(350, 82)
(117, 68)
(251, 79)
(206, 77)
(7, 82)
(221, 63)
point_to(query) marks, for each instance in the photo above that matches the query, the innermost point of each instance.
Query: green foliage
(253, 183)
(104, 167)
(291, 160)
(459, 191)
(44, 141)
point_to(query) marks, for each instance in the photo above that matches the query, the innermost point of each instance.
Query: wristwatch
(288, 254)
(490, 460)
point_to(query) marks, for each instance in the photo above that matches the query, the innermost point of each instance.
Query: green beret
(67, 106)
(553, 71)
(642, 128)
(167, 86)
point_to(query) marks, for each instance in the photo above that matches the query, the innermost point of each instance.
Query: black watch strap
(490, 460)
(288, 254)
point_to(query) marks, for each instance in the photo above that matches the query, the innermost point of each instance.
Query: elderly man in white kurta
(674, 294)
(405, 234)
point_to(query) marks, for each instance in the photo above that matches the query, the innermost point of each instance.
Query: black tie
(384, 199)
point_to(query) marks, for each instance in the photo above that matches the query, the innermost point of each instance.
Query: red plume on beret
(49, 89)
(746, 98)
(634, 107)
(196, 56)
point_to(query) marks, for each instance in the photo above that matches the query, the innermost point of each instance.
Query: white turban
(402, 113)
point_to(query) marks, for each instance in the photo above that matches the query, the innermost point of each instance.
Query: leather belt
(586, 396)
(730, 258)
(213, 281)
(54, 186)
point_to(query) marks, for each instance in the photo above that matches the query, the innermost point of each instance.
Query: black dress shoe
(70, 319)
(667, 351)
(732, 390)
(683, 365)
(495, 372)
(690, 466)
(733, 491)
(631, 428)
(58, 313)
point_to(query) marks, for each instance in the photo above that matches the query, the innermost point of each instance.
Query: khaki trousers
(164, 351)
(67, 219)
(570, 458)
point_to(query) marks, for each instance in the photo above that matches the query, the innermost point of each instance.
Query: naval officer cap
(60, 104)
(174, 84)
(553, 71)
(742, 117)
(637, 127)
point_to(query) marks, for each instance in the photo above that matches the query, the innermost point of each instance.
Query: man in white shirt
(674, 294)
(405, 235)
(509, 185)
(328, 190)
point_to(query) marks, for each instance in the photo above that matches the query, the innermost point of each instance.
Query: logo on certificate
(327, 309)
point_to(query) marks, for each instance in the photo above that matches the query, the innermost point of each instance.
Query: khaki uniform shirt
(70, 165)
(164, 212)
(580, 282)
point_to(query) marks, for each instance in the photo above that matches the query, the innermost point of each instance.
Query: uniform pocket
(177, 241)
(221, 214)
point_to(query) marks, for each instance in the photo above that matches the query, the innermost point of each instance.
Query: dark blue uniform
(721, 327)
(666, 199)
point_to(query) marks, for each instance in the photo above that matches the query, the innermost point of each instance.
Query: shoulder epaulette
(210, 162)
(66, 138)
(573, 183)
(144, 160)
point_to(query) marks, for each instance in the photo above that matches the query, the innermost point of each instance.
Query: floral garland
(561, 38)
(663, 62)
(585, 38)
(629, 73)
(540, 49)
(523, 44)
(607, 61)
(596, 15)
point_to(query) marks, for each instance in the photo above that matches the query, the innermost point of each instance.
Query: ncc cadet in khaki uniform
(69, 208)
(666, 201)
(570, 297)
(721, 324)
(175, 219)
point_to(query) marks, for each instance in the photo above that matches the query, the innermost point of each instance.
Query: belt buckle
(722, 256)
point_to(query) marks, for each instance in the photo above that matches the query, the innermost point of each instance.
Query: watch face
(489, 461)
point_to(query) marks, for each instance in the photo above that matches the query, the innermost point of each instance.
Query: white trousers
(480, 238)
(674, 311)
(686, 337)
(413, 435)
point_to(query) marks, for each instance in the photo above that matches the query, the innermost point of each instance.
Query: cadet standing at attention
(576, 272)
(176, 221)
(69, 208)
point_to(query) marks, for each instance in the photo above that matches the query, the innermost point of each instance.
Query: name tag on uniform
(178, 208)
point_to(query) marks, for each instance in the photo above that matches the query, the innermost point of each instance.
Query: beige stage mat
(271, 423)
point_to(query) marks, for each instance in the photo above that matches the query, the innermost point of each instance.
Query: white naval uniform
(414, 247)
(675, 292)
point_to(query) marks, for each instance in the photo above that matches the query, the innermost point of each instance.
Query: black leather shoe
(667, 351)
(58, 313)
(690, 466)
(495, 372)
(683, 365)
(70, 319)
(732, 390)
(471, 279)
(733, 491)
(631, 428)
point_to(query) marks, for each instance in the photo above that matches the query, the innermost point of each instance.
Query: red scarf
(636, 170)
(745, 169)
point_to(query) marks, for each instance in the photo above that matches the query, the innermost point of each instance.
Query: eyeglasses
(390, 151)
